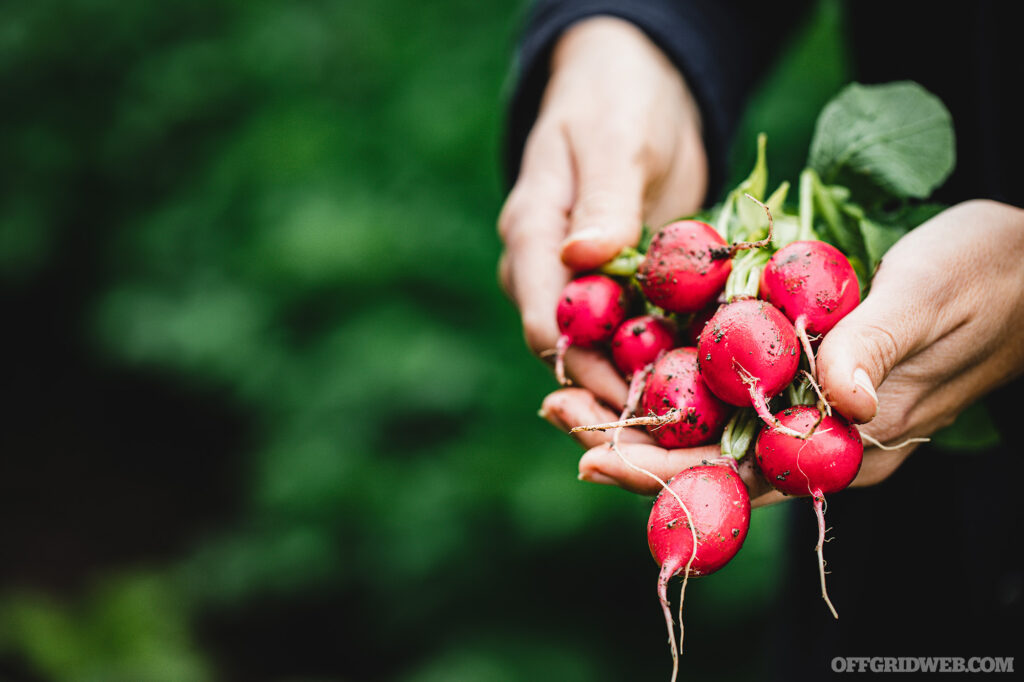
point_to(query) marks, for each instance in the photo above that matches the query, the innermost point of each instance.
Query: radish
(637, 343)
(698, 523)
(686, 266)
(748, 353)
(814, 285)
(588, 312)
(824, 463)
(675, 384)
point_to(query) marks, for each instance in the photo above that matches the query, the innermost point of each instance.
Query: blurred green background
(267, 415)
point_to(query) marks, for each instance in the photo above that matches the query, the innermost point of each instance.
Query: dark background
(266, 415)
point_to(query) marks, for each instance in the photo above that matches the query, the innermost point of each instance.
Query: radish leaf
(898, 136)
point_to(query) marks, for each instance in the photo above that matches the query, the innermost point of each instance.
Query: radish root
(673, 416)
(819, 511)
(731, 250)
(560, 349)
(805, 342)
(904, 444)
(760, 404)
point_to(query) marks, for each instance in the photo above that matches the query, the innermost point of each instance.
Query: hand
(617, 142)
(942, 326)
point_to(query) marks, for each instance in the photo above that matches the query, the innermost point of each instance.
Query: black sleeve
(720, 46)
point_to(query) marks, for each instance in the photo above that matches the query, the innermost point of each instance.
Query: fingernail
(861, 379)
(587, 234)
(596, 477)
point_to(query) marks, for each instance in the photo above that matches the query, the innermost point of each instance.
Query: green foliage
(897, 135)
(973, 431)
(129, 627)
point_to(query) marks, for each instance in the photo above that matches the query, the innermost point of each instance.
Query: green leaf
(881, 231)
(897, 135)
(972, 431)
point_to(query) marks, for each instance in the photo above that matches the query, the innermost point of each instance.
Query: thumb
(859, 352)
(606, 216)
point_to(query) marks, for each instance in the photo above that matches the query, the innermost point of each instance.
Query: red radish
(639, 341)
(813, 284)
(675, 383)
(590, 309)
(822, 464)
(748, 353)
(698, 523)
(686, 266)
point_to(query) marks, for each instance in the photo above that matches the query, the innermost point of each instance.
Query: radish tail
(801, 333)
(760, 404)
(673, 416)
(663, 578)
(636, 390)
(880, 446)
(819, 510)
(731, 250)
(560, 349)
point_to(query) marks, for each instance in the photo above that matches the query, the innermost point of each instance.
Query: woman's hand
(617, 143)
(942, 326)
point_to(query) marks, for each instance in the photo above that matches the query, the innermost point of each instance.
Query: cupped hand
(617, 143)
(942, 325)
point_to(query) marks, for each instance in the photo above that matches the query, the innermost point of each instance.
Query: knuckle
(509, 215)
(882, 346)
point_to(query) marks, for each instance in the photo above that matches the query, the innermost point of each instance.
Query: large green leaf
(897, 135)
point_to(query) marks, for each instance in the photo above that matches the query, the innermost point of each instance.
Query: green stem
(800, 392)
(624, 264)
(807, 205)
(725, 216)
(740, 433)
(745, 278)
(826, 204)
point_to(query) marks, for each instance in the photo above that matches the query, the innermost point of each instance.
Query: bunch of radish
(715, 322)
(715, 325)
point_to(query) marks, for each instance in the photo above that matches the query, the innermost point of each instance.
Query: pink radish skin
(748, 353)
(824, 463)
(812, 280)
(681, 272)
(717, 505)
(639, 341)
(588, 312)
(675, 383)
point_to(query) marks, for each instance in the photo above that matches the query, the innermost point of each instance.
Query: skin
(595, 166)
(618, 140)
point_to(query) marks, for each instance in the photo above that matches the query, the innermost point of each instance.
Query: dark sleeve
(720, 46)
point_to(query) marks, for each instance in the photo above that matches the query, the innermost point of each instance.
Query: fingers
(571, 407)
(601, 464)
(607, 214)
(593, 370)
(533, 224)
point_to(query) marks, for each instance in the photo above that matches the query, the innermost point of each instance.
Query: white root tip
(880, 446)
(561, 347)
(819, 511)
